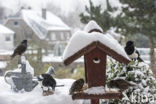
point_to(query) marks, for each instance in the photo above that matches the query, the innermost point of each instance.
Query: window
(7, 38)
(15, 23)
(68, 35)
(14, 36)
(28, 35)
(62, 35)
(53, 36)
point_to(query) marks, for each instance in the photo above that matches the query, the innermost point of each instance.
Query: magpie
(20, 49)
(132, 52)
(47, 81)
(77, 86)
(50, 70)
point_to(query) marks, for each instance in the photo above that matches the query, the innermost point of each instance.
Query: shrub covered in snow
(138, 73)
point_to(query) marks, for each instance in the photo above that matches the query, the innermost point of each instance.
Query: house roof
(5, 30)
(81, 43)
(40, 25)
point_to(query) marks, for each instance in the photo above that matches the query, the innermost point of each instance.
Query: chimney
(44, 10)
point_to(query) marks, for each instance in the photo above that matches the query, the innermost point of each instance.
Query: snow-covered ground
(58, 59)
(3, 64)
(61, 96)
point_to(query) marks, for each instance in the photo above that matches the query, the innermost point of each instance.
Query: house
(38, 26)
(6, 38)
(6, 46)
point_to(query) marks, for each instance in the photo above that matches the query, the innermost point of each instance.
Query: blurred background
(49, 24)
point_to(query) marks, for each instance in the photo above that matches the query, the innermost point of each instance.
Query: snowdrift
(61, 96)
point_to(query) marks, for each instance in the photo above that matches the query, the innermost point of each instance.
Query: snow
(115, 3)
(144, 52)
(5, 30)
(92, 25)
(23, 60)
(95, 90)
(35, 97)
(6, 52)
(3, 64)
(81, 39)
(50, 70)
(29, 68)
(52, 58)
(138, 73)
(51, 19)
(100, 90)
(42, 26)
(58, 59)
(117, 36)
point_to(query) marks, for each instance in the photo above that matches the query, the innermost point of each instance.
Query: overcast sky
(65, 5)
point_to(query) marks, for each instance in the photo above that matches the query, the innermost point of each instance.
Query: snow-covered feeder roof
(5, 30)
(81, 42)
(92, 25)
(40, 25)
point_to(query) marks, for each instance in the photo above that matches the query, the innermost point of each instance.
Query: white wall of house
(6, 41)
(6, 38)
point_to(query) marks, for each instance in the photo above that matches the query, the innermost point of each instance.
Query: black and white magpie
(132, 52)
(47, 81)
(50, 70)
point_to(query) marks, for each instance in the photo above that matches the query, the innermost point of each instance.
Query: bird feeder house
(95, 51)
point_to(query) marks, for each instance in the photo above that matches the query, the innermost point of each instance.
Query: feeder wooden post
(85, 71)
(94, 101)
(95, 67)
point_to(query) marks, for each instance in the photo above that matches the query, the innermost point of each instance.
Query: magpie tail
(140, 59)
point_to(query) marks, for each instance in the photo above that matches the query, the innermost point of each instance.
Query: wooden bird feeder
(95, 57)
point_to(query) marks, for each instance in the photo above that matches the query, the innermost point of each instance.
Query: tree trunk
(152, 55)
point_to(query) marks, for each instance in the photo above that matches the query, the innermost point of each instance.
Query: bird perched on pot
(20, 49)
(46, 80)
(76, 86)
(132, 52)
(121, 84)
